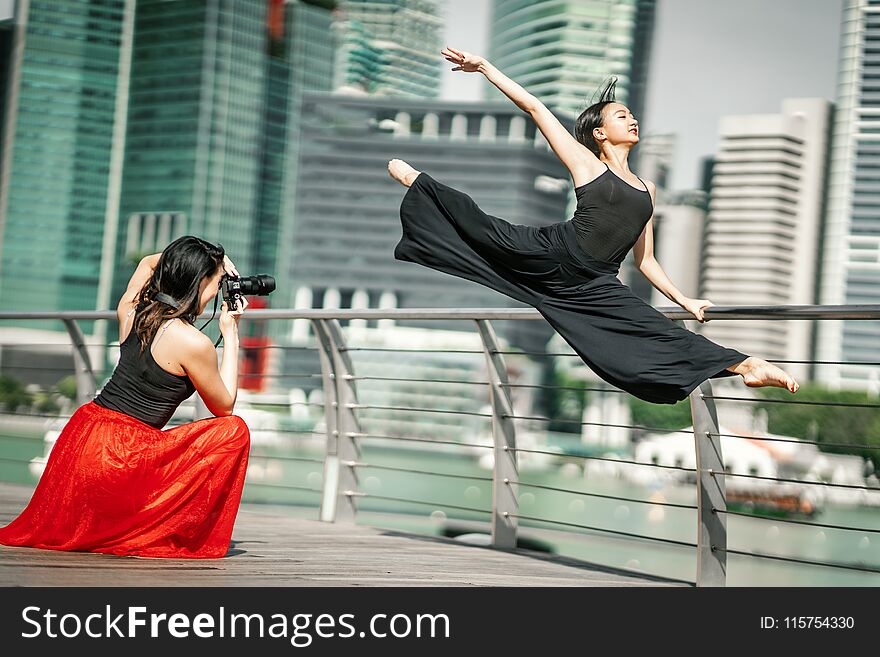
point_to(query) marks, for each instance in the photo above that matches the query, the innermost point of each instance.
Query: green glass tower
(301, 59)
(389, 47)
(210, 142)
(563, 50)
(195, 115)
(64, 81)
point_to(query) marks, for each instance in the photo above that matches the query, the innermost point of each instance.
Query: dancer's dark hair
(592, 118)
(173, 289)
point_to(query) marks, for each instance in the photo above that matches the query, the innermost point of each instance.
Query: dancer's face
(209, 288)
(619, 126)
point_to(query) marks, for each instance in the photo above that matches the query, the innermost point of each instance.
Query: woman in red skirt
(115, 482)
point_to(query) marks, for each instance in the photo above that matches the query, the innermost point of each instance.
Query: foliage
(44, 403)
(66, 387)
(13, 394)
(827, 425)
(661, 416)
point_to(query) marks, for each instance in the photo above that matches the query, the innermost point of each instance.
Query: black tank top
(140, 388)
(610, 216)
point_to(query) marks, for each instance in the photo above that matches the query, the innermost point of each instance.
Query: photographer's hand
(229, 268)
(229, 319)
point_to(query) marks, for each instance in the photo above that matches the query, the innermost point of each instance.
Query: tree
(13, 394)
(661, 416)
(827, 425)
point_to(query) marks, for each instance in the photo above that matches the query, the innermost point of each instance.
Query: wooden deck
(272, 549)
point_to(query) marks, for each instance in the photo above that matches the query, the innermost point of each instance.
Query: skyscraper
(302, 60)
(762, 233)
(851, 246)
(195, 116)
(389, 47)
(64, 109)
(562, 51)
(215, 92)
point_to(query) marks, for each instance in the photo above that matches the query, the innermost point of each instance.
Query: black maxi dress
(568, 272)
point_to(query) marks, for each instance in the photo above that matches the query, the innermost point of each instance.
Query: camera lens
(259, 285)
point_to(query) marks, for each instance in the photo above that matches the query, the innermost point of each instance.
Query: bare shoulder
(191, 339)
(588, 169)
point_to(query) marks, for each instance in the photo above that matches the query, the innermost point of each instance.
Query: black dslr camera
(234, 288)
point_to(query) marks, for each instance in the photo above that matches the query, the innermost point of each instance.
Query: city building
(679, 220)
(388, 47)
(64, 103)
(341, 251)
(850, 255)
(210, 149)
(761, 240)
(563, 51)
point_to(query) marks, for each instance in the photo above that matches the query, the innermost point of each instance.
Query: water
(747, 534)
(269, 479)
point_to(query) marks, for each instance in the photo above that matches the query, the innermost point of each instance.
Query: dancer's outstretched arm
(643, 252)
(580, 161)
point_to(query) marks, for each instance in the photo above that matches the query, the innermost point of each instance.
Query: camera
(234, 288)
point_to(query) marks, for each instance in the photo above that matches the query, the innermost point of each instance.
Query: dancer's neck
(616, 158)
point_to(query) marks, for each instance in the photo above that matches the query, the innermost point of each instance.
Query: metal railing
(344, 435)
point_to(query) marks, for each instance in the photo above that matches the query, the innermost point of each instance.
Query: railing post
(340, 484)
(505, 477)
(86, 384)
(711, 526)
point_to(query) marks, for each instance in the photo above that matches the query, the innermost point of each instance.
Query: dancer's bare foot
(757, 372)
(402, 172)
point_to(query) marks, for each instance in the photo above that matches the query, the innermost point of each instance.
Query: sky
(710, 58)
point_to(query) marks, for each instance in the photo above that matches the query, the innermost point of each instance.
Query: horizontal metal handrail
(600, 424)
(809, 562)
(797, 441)
(794, 521)
(269, 484)
(391, 468)
(618, 532)
(413, 439)
(803, 482)
(602, 458)
(606, 497)
(849, 311)
(284, 457)
(802, 402)
(404, 500)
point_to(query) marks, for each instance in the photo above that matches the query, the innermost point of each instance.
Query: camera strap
(213, 314)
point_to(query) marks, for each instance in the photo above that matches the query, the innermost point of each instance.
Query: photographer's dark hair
(592, 118)
(182, 267)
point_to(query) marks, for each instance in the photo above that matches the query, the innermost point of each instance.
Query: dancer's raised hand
(464, 61)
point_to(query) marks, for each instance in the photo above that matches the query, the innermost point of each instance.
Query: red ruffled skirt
(115, 485)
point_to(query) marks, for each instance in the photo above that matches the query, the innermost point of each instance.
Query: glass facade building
(850, 252)
(303, 62)
(213, 109)
(61, 116)
(562, 51)
(195, 114)
(389, 47)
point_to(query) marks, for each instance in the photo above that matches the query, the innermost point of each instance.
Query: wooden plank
(273, 549)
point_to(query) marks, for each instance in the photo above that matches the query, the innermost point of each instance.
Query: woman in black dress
(567, 271)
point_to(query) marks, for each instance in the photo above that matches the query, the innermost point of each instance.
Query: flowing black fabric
(623, 339)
